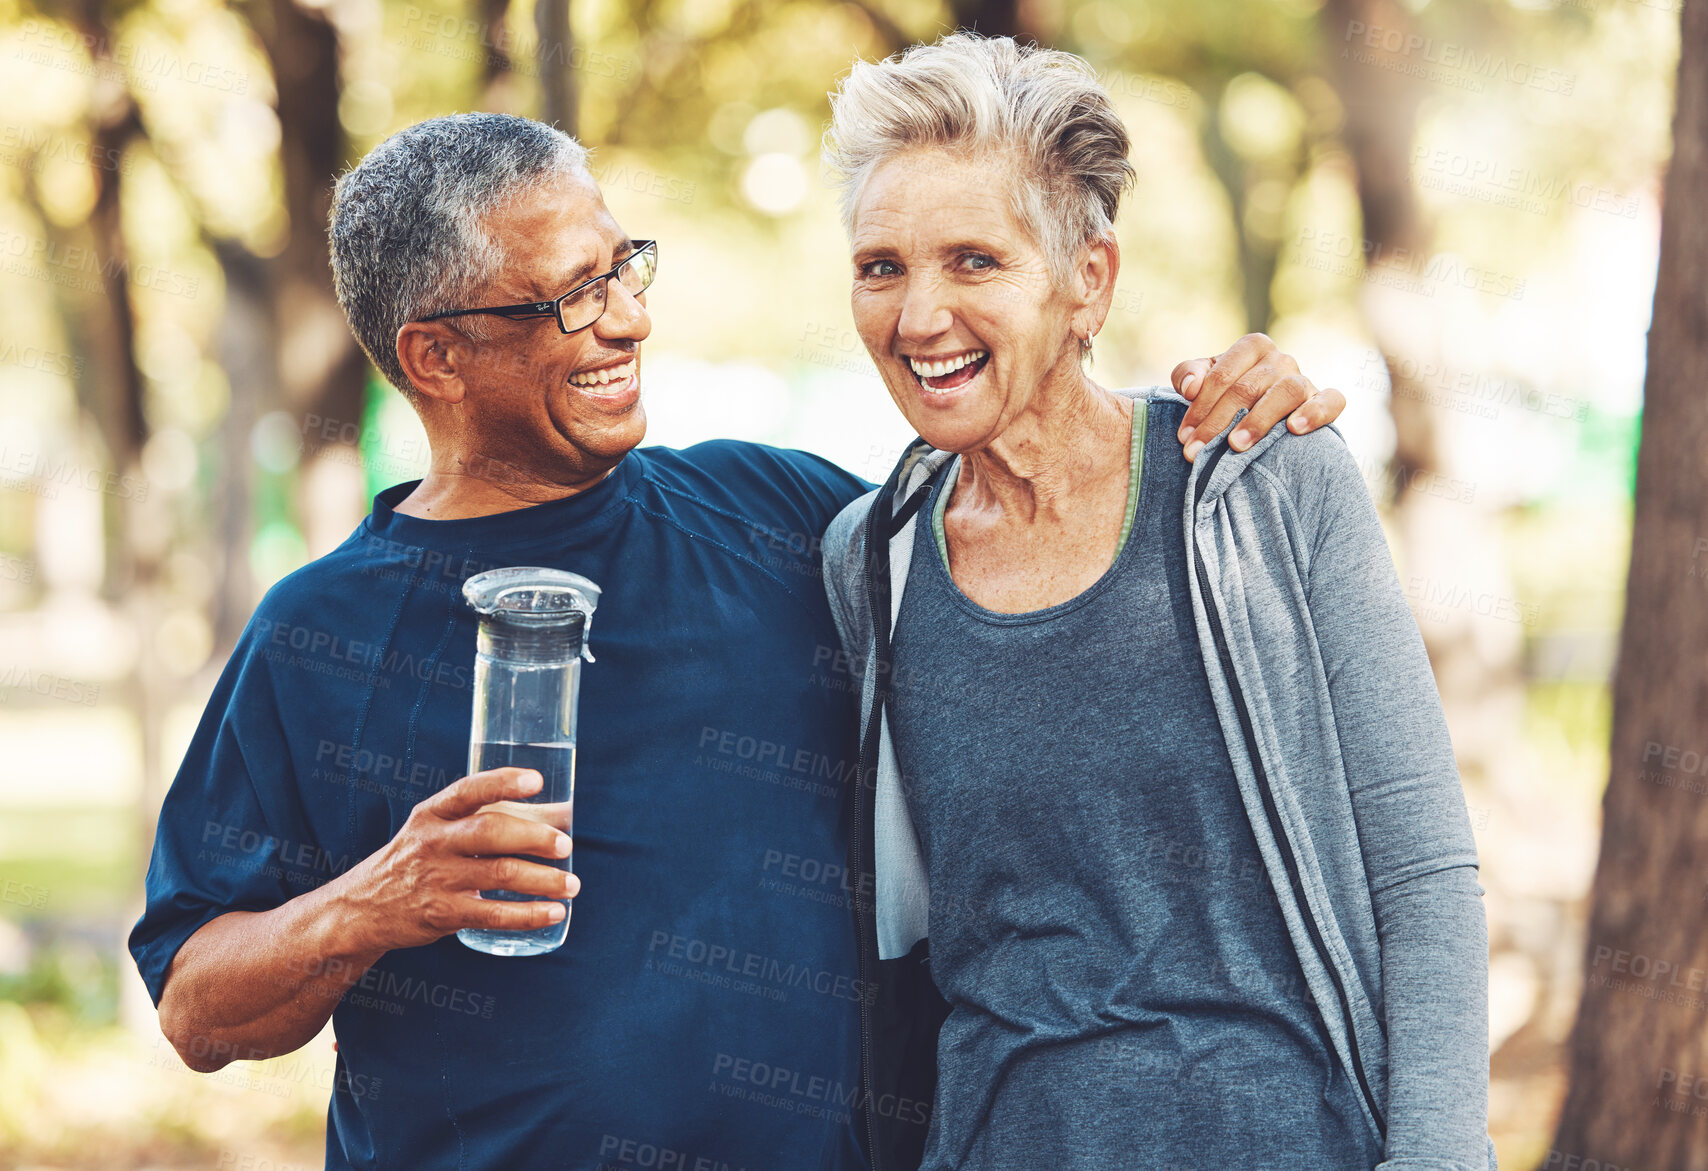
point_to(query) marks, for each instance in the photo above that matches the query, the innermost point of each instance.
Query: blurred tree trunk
(993, 18)
(1381, 122)
(1259, 252)
(496, 61)
(119, 401)
(1450, 543)
(138, 524)
(1640, 1046)
(322, 370)
(894, 38)
(247, 344)
(116, 397)
(138, 529)
(559, 98)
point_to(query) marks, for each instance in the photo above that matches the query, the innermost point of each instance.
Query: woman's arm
(1419, 855)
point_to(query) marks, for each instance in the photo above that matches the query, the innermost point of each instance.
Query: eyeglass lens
(584, 308)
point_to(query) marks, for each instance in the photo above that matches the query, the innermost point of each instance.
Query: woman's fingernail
(556, 912)
(1189, 386)
(1240, 439)
(563, 845)
(1192, 450)
(1186, 434)
(1296, 424)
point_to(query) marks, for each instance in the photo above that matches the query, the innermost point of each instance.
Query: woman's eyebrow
(991, 246)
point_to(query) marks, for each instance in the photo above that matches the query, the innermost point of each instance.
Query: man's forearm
(251, 985)
(255, 984)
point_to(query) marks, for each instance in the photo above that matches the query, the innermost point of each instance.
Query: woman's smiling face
(953, 298)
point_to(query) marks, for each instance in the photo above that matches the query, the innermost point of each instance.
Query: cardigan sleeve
(1413, 828)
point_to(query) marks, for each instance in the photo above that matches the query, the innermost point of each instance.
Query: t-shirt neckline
(517, 527)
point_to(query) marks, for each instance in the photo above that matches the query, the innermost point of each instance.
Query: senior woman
(1159, 739)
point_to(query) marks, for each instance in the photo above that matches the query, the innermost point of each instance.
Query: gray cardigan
(1326, 701)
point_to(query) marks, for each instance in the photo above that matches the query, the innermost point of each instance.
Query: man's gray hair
(989, 96)
(407, 225)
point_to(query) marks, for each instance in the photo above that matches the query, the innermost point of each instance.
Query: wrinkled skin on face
(533, 414)
(945, 275)
(953, 300)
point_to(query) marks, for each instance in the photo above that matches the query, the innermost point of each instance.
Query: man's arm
(251, 985)
(1250, 373)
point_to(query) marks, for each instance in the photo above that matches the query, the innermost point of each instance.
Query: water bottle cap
(537, 598)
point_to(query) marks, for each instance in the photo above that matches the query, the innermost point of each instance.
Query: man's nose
(924, 311)
(625, 318)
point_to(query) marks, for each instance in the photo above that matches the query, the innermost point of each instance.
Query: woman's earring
(1085, 349)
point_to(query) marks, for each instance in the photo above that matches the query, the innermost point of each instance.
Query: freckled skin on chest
(1014, 565)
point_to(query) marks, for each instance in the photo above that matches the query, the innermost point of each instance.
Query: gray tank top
(1123, 990)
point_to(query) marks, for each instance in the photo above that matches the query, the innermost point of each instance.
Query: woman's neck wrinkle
(1050, 456)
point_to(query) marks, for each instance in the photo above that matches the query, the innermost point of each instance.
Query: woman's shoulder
(843, 536)
(1155, 396)
(1324, 494)
(1306, 467)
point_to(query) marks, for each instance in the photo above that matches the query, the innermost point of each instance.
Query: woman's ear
(1094, 282)
(431, 355)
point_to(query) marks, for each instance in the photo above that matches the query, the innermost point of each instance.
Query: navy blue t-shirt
(704, 1011)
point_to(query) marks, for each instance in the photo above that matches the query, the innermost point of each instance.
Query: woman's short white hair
(991, 96)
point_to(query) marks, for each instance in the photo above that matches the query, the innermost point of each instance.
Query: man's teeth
(946, 366)
(601, 377)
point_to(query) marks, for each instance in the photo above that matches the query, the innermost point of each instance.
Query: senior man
(319, 846)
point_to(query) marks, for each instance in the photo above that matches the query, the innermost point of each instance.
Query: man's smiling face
(556, 407)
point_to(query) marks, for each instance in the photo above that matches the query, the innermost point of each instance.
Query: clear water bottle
(527, 680)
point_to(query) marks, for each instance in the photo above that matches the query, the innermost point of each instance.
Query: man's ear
(432, 355)
(1094, 284)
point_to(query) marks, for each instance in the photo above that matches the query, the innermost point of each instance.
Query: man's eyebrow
(580, 273)
(584, 271)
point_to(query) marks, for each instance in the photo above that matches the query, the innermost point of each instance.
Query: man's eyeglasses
(585, 303)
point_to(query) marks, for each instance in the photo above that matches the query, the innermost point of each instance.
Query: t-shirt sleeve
(824, 488)
(218, 842)
(785, 496)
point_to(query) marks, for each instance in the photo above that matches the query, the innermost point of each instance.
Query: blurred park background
(1450, 209)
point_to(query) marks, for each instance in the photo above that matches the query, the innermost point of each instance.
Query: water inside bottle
(554, 805)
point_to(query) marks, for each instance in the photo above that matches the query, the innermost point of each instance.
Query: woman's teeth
(949, 373)
(946, 366)
(601, 377)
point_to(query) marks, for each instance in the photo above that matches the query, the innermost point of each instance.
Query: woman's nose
(924, 311)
